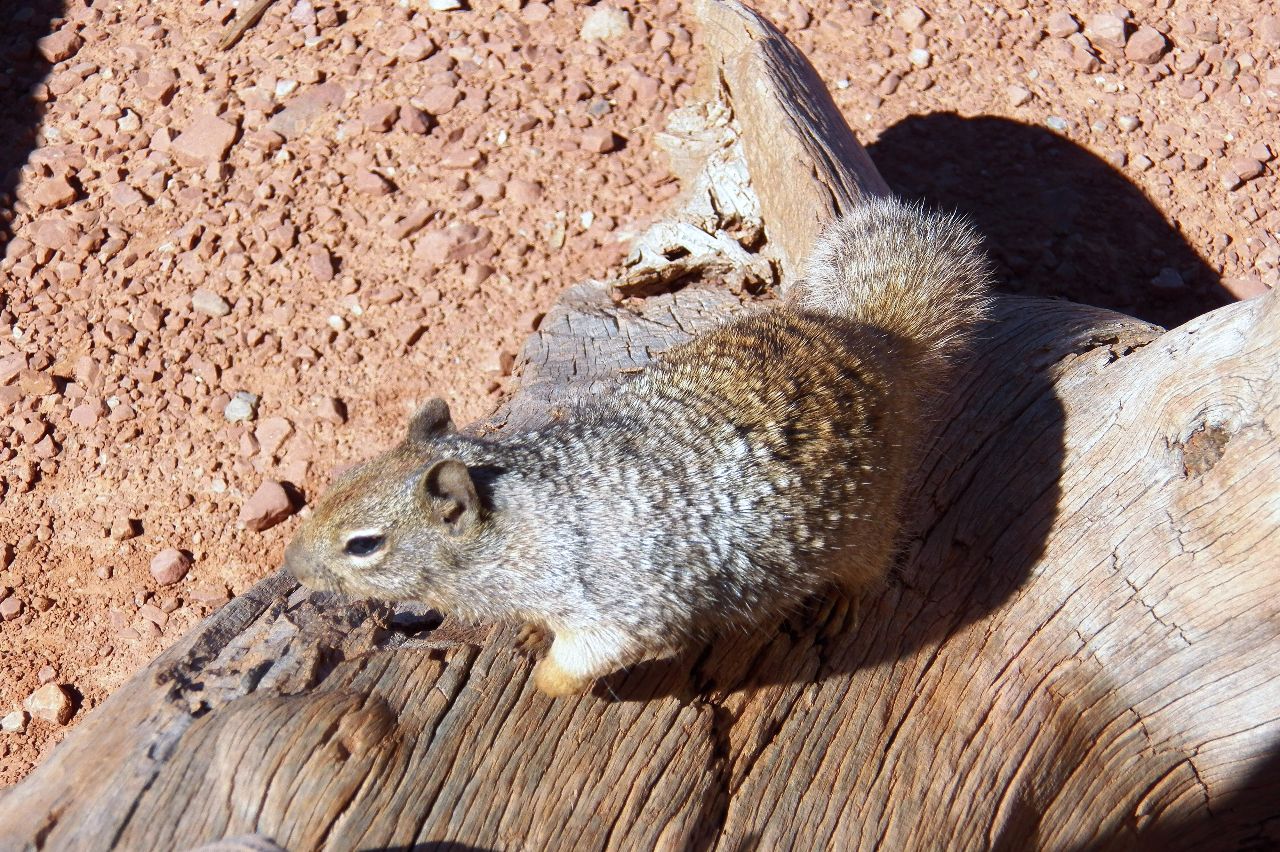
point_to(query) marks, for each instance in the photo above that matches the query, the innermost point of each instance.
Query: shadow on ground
(22, 70)
(1060, 221)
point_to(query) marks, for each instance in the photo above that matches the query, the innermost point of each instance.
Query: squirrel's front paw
(532, 640)
(554, 681)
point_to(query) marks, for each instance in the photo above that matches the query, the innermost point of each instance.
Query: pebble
(123, 529)
(205, 141)
(1107, 30)
(444, 5)
(320, 263)
(524, 191)
(60, 46)
(54, 193)
(10, 608)
(411, 223)
(331, 409)
(380, 118)
(268, 506)
(370, 183)
(1146, 46)
(1058, 123)
(605, 23)
(1128, 123)
(169, 566)
(37, 383)
(243, 406)
(1246, 169)
(86, 414)
(1017, 95)
(920, 57)
(272, 433)
(1168, 279)
(598, 140)
(414, 120)
(911, 18)
(438, 100)
(206, 301)
(50, 702)
(1061, 25)
(15, 722)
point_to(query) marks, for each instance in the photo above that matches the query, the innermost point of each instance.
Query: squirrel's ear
(450, 495)
(431, 421)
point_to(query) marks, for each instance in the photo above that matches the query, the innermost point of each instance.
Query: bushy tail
(918, 274)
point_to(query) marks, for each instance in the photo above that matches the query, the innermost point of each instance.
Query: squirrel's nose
(296, 563)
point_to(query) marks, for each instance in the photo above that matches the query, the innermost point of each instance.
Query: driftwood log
(1080, 648)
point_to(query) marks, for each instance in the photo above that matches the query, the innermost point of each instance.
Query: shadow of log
(1060, 221)
(22, 70)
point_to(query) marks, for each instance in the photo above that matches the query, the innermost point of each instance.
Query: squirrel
(732, 478)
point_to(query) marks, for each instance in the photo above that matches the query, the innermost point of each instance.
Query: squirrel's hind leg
(577, 658)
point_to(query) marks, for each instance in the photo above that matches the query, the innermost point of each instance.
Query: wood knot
(1202, 449)
(365, 728)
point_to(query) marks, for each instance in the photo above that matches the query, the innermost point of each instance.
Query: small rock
(417, 49)
(268, 506)
(206, 141)
(10, 608)
(439, 99)
(243, 406)
(332, 409)
(320, 262)
(37, 383)
(911, 18)
(1061, 25)
(86, 414)
(604, 23)
(123, 529)
(524, 191)
(47, 674)
(598, 140)
(444, 5)
(411, 223)
(1107, 30)
(1128, 123)
(1058, 123)
(208, 302)
(60, 46)
(370, 183)
(1018, 95)
(54, 193)
(380, 118)
(52, 234)
(15, 722)
(211, 596)
(1146, 46)
(50, 702)
(920, 57)
(1168, 279)
(169, 566)
(1246, 169)
(414, 120)
(272, 433)
(154, 614)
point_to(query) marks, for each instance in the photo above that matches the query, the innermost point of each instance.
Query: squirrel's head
(397, 527)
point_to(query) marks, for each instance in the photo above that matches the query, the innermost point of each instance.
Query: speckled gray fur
(737, 475)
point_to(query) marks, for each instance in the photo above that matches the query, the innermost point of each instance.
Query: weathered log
(1080, 648)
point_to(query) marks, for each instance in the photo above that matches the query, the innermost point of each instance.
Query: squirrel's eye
(362, 545)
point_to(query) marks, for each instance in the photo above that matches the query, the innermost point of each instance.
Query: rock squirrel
(735, 476)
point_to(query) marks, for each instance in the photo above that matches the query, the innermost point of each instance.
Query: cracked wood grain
(1080, 647)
